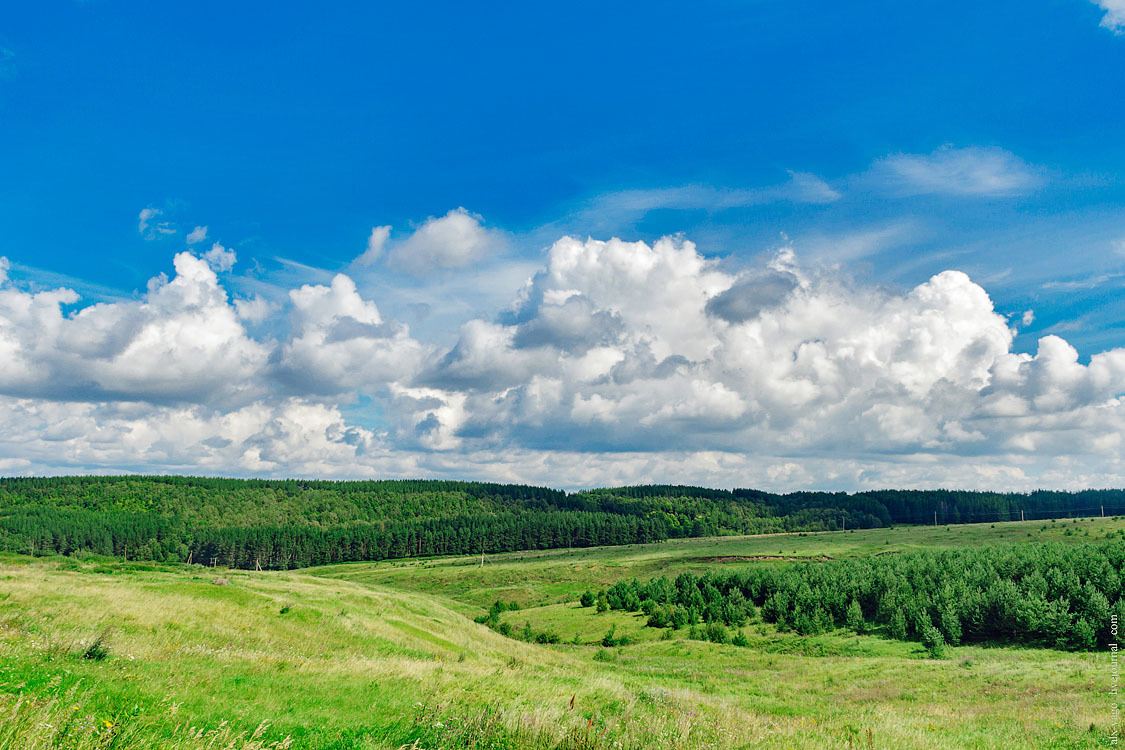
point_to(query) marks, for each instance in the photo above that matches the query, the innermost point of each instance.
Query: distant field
(386, 656)
(557, 575)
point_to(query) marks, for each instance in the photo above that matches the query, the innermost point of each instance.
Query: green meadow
(99, 653)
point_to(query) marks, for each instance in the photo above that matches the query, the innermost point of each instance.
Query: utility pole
(482, 553)
(1103, 511)
(1021, 514)
(935, 518)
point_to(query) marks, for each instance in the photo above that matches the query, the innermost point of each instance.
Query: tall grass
(69, 722)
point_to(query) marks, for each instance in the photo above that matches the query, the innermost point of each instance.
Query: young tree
(854, 618)
(898, 625)
(934, 642)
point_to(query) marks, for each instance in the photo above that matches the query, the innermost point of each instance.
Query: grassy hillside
(387, 655)
(552, 576)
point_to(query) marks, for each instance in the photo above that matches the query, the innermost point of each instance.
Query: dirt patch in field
(762, 558)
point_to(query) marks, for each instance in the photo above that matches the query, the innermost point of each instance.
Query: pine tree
(854, 618)
(898, 625)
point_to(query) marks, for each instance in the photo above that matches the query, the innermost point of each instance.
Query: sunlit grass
(201, 658)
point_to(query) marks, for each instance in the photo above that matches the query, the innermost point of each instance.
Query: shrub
(934, 642)
(98, 650)
(587, 599)
(716, 632)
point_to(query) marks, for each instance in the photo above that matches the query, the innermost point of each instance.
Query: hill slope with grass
(101, 653)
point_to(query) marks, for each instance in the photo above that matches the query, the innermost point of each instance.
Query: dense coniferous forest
(1042, 594)
(296, 523)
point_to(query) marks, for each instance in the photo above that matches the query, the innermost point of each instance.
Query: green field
(386, 655)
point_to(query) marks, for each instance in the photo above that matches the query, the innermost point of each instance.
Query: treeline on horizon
(281, 524)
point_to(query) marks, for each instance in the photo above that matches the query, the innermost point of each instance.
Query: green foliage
(1083, 637)
(587, 599)
(853, 618)
(933, 641)
(283, 524)
(898, 625)
(1041, 594)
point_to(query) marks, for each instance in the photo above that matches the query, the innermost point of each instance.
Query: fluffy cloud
(220, 258)
(181, 342)
(289, 437)
(973, 171)
(623, 346)
(1114, 18)
(455, 240)
(617, 362)
(340, 342)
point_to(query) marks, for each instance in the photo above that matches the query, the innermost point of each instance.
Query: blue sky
(846, 152)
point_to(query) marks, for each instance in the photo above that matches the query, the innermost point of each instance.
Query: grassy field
(552, 576)
(386, 656)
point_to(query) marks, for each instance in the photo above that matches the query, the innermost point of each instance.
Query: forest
(283, 524)
(1040, 594)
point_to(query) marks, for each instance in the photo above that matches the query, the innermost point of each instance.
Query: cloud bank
(617, 362)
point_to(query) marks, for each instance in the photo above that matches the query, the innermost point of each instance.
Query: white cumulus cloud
(182, 341)
(617, 362)
(455, 240)
(340, 342)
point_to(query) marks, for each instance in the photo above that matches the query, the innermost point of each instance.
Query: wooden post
(935, 518)
(1103, 511)
(1021, 514)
